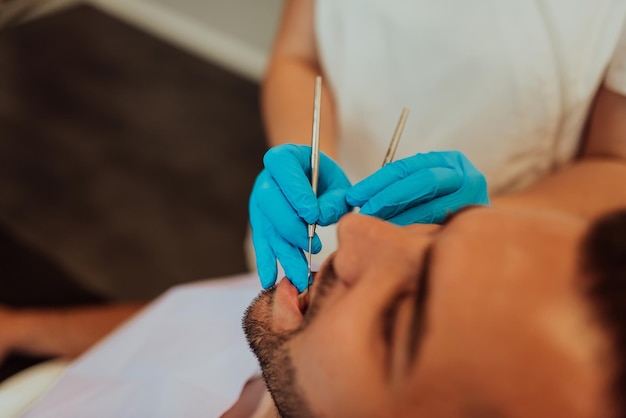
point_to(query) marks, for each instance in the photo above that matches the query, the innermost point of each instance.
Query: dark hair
(604, 252)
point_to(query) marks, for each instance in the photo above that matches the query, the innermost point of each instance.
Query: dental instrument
(391, 151)
(315, 158)
(395, 139)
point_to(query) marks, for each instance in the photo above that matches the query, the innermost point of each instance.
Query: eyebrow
(417, 328)
(450, 216)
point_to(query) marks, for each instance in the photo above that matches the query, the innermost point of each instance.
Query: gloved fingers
(413, 190)
(332, 192)
(426, 213)
(289, 168)
(391, 173)
(269, 246)
(278, 212)
(289, 165)
(294, 263)
(432, 212)
(265, 261)
(363, 191)
(262, 233)
(331, 176)
(333, 206)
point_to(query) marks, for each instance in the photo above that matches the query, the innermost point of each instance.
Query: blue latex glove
(423, 188)
(282, 204)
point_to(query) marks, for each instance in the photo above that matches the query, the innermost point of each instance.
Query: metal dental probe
(391, 151)
(315, 159)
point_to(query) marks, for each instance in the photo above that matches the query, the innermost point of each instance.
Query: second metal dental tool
(391, 151)
(393, 145)
(315, 160)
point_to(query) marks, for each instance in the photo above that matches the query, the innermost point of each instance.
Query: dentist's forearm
(289, 85)
(287, 104)
(587, 188)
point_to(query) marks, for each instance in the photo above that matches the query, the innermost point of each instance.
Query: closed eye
(451, 215)
(390, 314)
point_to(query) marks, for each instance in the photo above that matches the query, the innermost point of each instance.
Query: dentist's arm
(282, 202)
(287, 94)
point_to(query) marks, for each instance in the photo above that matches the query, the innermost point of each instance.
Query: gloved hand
(282, 204)
(423, 188)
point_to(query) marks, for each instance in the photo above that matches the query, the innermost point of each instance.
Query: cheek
(472, 323)
(335, 368)
(488, 341)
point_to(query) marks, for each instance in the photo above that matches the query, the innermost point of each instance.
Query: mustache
(258, 315)
(326, 279)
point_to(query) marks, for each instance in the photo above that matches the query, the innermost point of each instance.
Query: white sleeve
(616, 75)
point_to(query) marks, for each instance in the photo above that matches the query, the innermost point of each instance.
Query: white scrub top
(507, 82)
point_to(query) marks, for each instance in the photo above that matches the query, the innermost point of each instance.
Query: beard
(271, 350)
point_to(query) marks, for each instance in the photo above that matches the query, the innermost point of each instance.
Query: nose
(368, 244)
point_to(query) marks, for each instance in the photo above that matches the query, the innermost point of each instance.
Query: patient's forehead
(536, 253)
(513, 226)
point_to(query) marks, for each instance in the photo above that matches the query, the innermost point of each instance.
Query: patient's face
(483, 317)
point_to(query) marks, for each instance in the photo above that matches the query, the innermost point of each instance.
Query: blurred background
(130, 137)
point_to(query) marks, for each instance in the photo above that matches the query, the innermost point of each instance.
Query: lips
(286, 308)
(304, 298)
(289, 306)
(304, 301)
